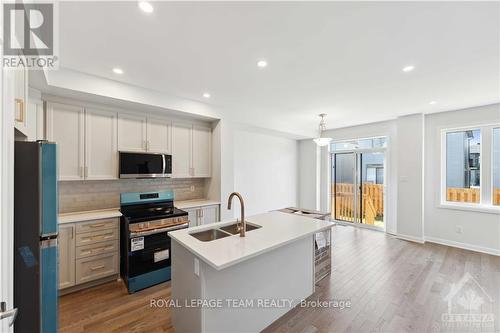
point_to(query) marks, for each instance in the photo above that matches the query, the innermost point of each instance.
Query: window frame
(492, 176)
(485, 203)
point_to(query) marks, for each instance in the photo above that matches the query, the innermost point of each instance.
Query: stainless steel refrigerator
(35, 237)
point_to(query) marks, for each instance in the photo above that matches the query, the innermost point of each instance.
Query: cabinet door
(101, 152)
(32, 111)
(192, 216)
(159, 138)
(209, 214)
(20, 98)
(202, 151)
(131, 132)
(65, 127)
(66, 255)
(181, 150)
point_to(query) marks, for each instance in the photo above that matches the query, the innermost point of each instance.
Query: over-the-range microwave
(145, 165)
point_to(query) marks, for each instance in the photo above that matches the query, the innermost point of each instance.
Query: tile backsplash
(77, 196)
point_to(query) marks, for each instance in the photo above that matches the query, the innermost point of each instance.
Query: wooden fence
(373, 201)
(470, 195)
(462, 194)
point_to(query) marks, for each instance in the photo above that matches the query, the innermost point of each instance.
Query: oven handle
(157, 231)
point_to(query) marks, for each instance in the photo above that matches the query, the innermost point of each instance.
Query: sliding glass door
(343, 189)
(358, 187)
(372, 188)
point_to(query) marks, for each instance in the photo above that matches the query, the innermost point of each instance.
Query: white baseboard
(464, 246)
(410, 238)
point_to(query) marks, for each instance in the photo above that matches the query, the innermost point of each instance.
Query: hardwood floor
(393, 286)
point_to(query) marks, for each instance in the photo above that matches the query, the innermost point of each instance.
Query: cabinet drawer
(96, 267)
(96, 225)
(96, 249)
(96, 236)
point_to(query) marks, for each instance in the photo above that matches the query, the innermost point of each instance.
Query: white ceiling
(341, 58)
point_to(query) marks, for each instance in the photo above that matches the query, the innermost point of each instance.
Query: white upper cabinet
(89, 138)
(20, 76)
(181, 150)
(202, 151)
(101, 150)
(159, 135)
(132, 132)
(65, 127)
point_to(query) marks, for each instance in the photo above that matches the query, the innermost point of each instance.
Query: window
(371, 143)
(463, 156)
(496, 167)
(471, 168)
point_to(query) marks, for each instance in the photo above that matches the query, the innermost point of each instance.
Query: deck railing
(373, 202)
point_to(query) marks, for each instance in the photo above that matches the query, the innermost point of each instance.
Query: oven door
(148, 253)
(145, 165)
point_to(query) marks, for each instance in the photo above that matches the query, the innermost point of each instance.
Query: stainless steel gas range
(144, 242)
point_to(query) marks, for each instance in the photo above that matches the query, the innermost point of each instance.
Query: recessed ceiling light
(206, 95)
(117, 70)
(262, 63)
(432, 102)
(408, 68)
(146, 6)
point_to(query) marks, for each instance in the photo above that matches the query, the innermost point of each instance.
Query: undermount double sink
(225, 231)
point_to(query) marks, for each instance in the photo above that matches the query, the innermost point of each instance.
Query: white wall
(410, 177)
(481, 231)
(265, 171)
(309, 175)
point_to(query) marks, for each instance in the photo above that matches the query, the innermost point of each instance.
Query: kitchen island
(227, 283)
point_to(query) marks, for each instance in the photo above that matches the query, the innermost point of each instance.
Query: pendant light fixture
(320, 140)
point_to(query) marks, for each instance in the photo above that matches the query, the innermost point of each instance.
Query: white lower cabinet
(192, 216)
(209, 214)
(66, 258)
(203, 215)
(88, 251)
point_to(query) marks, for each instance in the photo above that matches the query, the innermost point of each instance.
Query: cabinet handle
(86, 171)
(95, 268)
(99, 237)
(82, 172)
(96, 225)
(20, 104)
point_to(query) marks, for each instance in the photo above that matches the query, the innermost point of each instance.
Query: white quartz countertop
(278, 229)
(88, 215)
(195, 203)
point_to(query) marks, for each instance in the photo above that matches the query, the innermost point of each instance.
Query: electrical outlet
(192, 188)
(459, 229)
